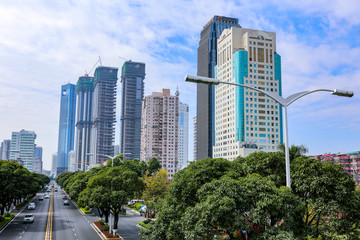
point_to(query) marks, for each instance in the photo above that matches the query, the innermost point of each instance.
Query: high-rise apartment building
(104, 113)
(183, 136)
(207, 60)
(84, 93)
(66, 126)
(159, 129)
(22, 147)
(5, 149)
(132, 94)
(246, 120)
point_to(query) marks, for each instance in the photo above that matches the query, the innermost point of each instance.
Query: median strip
(48, 234)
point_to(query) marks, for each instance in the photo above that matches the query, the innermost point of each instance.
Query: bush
(101, 222)
(2, 219)
(142, 224)
(7, 215)
(146, 221)
(106, 228)
(138, 205)
(87, 208)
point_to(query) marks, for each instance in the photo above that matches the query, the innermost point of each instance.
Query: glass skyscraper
(207, 60)
(66, 126)
(132, 88)
(104, 114)
(84, 92)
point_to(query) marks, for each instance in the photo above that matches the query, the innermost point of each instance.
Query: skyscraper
(132, 89)
(22, 147)
(66, 126)
(84, 92)
(38, 163)
(5, 149)
(104, 113)
(183, 136)
(159, 129)
(246, 120)
(54, 164)
(207, 59)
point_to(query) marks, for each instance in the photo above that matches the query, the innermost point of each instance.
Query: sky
(45, 44)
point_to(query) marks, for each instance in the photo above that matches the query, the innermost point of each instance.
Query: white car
(31, 206)
(29, 218)
(46, 196)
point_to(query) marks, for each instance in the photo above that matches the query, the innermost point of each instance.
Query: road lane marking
(48, 234)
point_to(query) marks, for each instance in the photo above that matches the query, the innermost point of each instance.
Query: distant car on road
(29, 218)
(64, 197)
(135, 201)
(41, 198)
(46, 196)
(31, 206)
(66, 202)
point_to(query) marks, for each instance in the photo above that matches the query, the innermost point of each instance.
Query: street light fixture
(285, 102)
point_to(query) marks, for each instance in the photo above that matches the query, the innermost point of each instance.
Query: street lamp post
(285, 102)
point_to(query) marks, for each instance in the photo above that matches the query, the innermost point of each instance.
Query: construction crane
(124, 58)
(97, 62)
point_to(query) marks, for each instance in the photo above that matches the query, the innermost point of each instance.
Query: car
(56, 190)
(66, 202)
(41, 198)
(64, 197)
(31, 206)
(135, 201)
(29, 218)
(46, 196)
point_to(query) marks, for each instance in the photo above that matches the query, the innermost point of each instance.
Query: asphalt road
(18, 230)
(67, 223)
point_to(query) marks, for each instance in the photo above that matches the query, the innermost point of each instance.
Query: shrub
(7, 215)
(87, 208)
(138, 205)
(2, 219)
(146, 221)
(106, 228)
(101, 222)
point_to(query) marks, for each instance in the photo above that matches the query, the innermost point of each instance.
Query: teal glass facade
(277, 72)
(240, 65)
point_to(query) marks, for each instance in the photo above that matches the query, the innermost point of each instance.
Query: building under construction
(104, 114)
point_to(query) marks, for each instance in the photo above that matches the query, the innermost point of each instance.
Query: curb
(97, 230)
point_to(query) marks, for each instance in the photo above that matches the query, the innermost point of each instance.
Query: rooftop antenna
(177, 93)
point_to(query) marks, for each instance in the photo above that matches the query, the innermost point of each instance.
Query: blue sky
(45, 44)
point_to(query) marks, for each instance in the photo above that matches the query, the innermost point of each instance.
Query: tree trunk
(116, 219)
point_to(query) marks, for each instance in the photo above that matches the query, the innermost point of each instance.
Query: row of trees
(17, 184)
(108, 188)
(247, 199)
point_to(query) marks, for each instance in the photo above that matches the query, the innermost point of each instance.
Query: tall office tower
(246, 120)
(72, 162)
(183, 136)
(207, 52)
(66, 126)
(194, 138)
(54, 164)
(159, 129)
(38, 163)
(103, 116)
(132, 88)
(22, 147)
(84, 93)
(5, 149)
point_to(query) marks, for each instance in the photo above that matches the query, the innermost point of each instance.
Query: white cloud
(45, 44)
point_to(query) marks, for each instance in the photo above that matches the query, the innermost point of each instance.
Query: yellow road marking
(48, 234)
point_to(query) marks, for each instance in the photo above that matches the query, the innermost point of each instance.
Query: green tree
(330, 196)
(294, 151)
(116, 184)
(153, 165)
(156, 187)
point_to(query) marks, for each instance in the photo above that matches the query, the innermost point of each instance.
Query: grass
(6, 220)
